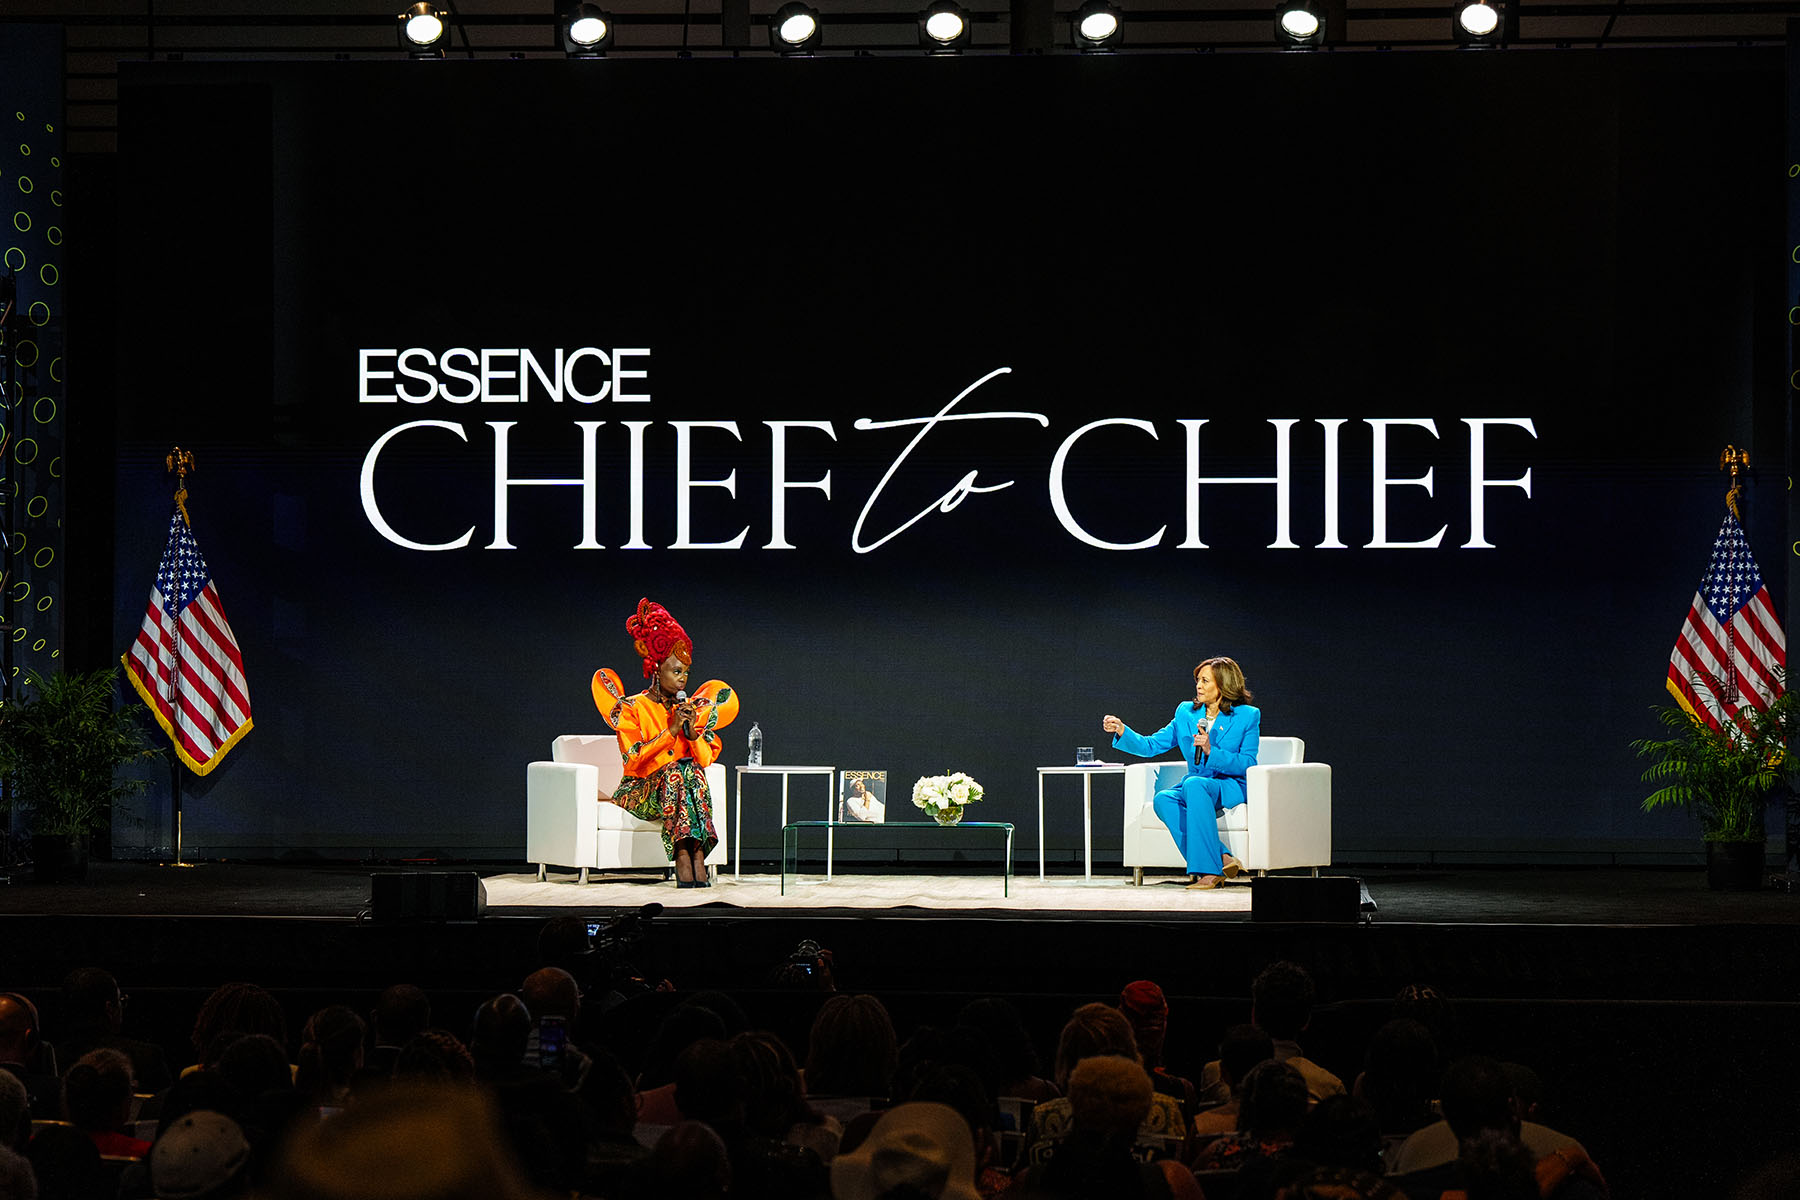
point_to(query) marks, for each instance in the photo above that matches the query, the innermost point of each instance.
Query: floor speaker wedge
(427, 896)
(1306, 898)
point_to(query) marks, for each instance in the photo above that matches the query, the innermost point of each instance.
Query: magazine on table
(862, 797)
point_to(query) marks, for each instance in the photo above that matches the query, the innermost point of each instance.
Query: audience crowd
(523, 1099)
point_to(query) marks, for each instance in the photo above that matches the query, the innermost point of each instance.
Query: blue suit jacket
(1235, 739)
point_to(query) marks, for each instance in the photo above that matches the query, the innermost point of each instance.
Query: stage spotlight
(1478, 22)
(944, 28)
(795, 29)
(422, 27)
(1300, 22)
(1095, 26)
(586, 31)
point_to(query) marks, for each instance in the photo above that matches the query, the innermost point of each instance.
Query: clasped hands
(682, 717)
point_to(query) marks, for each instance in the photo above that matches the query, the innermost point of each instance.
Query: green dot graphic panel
(33, 400)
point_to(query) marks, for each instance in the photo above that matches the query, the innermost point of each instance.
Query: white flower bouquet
(945, 796)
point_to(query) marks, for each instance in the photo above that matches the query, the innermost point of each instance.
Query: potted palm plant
(61, 746)
(1726, 778)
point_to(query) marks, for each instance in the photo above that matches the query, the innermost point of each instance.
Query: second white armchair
(1285, 822)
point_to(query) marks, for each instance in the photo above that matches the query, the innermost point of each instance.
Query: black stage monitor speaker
(427, 896)
(1307, 898)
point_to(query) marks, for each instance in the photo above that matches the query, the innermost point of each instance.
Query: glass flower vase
(948, 816)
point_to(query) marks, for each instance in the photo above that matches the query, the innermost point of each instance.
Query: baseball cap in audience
(199, 1155)
(923, 1147)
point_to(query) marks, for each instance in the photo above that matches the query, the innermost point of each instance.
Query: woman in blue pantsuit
(1218, 734)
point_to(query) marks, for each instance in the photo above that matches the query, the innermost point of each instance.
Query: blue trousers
(1191, 811)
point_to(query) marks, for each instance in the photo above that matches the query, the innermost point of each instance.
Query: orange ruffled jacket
(648, 744)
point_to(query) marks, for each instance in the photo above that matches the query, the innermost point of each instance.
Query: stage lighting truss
(586, 31)
(944, 28)
(794, 29)
(1300, 23)
(423, 30)
(1479, 22)
(1095, 26)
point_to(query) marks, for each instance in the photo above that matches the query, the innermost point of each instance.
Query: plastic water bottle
(755, 745)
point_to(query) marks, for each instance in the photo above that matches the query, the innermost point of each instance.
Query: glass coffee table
(790, 841)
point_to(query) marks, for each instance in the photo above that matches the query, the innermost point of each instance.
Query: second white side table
(1087, 809)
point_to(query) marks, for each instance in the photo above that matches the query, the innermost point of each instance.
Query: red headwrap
(656, 635)
(1145, 1008)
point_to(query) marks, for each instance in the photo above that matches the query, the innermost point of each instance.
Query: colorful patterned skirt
(678, 797)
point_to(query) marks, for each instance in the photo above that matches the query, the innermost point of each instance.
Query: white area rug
(974, 891)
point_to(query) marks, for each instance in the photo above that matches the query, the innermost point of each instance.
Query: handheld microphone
(681, 696)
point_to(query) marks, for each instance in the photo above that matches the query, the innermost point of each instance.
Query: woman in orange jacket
(668, 739)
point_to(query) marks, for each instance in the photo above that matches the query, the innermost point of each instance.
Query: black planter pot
(58, 858)
(1734, 866)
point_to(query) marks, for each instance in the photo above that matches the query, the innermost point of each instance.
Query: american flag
(185, 662)
(1731, 646)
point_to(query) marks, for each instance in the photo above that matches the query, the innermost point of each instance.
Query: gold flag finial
(1731, 457)
(180, 462)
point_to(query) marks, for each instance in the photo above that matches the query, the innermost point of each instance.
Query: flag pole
(1787, 879)
(178, 462)
(1731, 458)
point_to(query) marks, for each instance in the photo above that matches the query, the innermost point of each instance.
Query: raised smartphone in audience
(553, 1039)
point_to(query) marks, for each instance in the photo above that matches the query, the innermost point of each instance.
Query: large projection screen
(951, 405)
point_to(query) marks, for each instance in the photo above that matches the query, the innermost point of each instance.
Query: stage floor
(1588, 934)
(1601, 896)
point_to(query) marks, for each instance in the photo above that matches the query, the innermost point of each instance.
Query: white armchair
(1285, 822)
(566, 825)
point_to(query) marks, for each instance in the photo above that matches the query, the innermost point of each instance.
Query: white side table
(737, 850)
(1087, 809)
